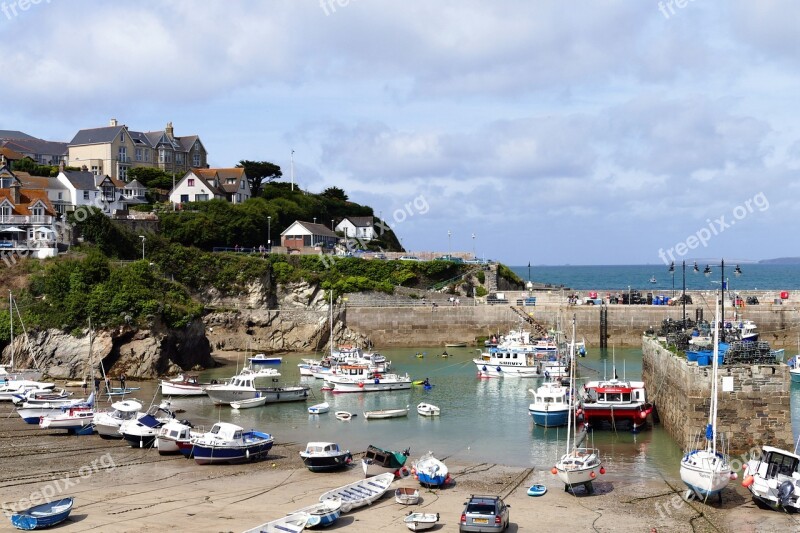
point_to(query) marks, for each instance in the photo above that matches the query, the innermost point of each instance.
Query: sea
(754, 276)
(482, 420)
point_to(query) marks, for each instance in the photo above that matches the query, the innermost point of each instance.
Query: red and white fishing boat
(616, 402)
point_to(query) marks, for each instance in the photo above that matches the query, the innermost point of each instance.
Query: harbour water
(482, 420)
(618, 277)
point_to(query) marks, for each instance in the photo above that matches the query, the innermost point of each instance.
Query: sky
(549, 132)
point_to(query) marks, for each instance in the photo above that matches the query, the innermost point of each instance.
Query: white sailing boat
(10, 375)
(707, 471)
(580, 465)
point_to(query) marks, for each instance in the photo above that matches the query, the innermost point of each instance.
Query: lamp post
(143, 239)
(683, 291)
(723, 285)
(672, 271)
(269, 234)
(473, 247)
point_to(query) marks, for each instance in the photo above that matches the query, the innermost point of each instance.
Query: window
(190, 182)
(196, 157)
(230, 181)
(162, 155)
(86, 195)
(5, 212)
(123, 154)
(138, 154)
(169, 156)
(61, 196)
(184, 198)
(147, 154)
(238, 198)
(122, 136)
(200, 197)
(179, 158)
(123, 173)
(95, 170)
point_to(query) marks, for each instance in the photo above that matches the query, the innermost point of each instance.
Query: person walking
(97, 385)
(122, 381)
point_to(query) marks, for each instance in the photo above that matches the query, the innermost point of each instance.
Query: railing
(26, 219)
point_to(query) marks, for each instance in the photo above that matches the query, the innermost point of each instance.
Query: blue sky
(556, 132)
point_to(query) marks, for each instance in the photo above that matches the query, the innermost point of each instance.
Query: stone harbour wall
(755, 413)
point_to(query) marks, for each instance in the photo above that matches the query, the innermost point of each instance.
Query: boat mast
(330, 341)
(712, 414)
(11, 317)
(572, 396)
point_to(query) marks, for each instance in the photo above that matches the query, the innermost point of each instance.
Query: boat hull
(32, 415)
(43, 516)
(179, 389)
(140, 440)
(360, 493)
(633, 415)
(705, 474)
(795, 373)
(327, 463)
(421, 521)
(550, 418)
(386, 413)
(370, 386)
(209, 454)
(431, 472)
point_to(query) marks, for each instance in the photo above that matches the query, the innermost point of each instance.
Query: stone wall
(757, 412)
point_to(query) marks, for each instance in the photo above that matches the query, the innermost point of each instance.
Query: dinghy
(360, 493)
(42, 516)
(537, 490)
(344, 416)
(322, 514)
(319, 409)
(427, 409)
(421, 521)
(430, 471)
(406, 495)
(293, 523)
(325, 456)
(386, 413)
(249, 403)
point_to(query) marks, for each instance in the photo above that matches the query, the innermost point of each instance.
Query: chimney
(62, 166)
(170, 131)
(15, 186)
(112, 122)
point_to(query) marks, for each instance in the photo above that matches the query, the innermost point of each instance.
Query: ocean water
(482, 421)
(620, 277)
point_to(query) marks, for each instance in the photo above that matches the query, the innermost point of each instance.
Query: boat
(537, 490)
(38, 396)
(430, 471)
(456, 345)
(319, 409)
(325, 456)
(653, 279)
(772, 478)
(615, 402)
(427, 409)
(242, 386)
(32, 411)
(264, 359)
(42, 516)
(183, 385)
(420, 521)
(360, 493)
(580, 465)
(322, 514)
(141, 432)
(258, 401)
(10, 389)
(380, 461)
(794, 368)
(76, 420)
(706, 470)
(550, 406)
(175, 437)
(228, 443)
(406, 495)
(344, 416)
(359, 378)
(293, 523)
(386, 413)
(120, 391)
(107, 423)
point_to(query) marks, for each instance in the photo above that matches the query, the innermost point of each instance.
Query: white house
(102, 192)
(362, 228)
(301, 235)
(203, 184)
(57, 193)
(27, 220)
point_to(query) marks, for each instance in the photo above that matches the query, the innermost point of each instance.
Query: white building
(362, 228)
(203, 184)
(300, 235)
(102, 192)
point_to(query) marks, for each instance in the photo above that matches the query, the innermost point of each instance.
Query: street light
(683, 292)
(473, 247)
(143, 239)
(723, 284)
(448, 244)
(269, 234)
(672, 271)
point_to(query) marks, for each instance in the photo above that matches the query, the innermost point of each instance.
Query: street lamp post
(473, 247)
(448, 244)
(269, 234)
(143, 239)
(683, 291)
(723, 286)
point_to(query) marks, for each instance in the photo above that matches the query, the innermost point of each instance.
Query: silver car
(484, 513)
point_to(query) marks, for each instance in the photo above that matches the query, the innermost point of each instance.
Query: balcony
(29, 220)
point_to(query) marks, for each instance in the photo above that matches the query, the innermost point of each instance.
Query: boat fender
(404, 472)
(499, 369)
(592, 475)
(554, 471)
(484, 368)
(747, 481)
(361, 384)
(734, 476)
(602, 470)
(377, 381)
(278, 396)
(247, 454)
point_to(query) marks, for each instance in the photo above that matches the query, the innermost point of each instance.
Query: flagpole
(292, 169)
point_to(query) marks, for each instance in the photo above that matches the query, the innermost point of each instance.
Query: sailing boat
(707, 471)
(580, 465)
(11, 375)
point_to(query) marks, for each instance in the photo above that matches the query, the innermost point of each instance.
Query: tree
(152, 178)
(335, 193)
(258, 172)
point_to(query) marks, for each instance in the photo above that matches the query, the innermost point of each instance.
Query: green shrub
(481, 291)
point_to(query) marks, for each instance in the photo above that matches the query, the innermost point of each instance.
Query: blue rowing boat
(537, 490)
(42, 516)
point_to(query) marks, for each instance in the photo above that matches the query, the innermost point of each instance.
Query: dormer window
(190, 182)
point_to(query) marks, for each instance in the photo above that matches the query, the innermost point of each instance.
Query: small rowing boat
(406, 495)
(293, 523)
(421, 521)
(42, 516)
(360, 493)
(319, 409)
(344, 416)
(386, 413)
(537, 490)
(427, 409)
(251, 402)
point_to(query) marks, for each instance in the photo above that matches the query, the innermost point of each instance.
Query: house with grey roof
(362, 228)
(115, 149)
(41, 151)
(202, 184)
(306, 237)
(110, 195)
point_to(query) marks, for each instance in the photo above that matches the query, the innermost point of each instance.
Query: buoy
(404, 471)
(643, 414)
(734, 476)
(499, 369)
(602, 470)
(554, 470)
(361, 384)
(748, 480)
(592, 475)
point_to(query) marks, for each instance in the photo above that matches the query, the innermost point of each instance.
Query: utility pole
(292, 169)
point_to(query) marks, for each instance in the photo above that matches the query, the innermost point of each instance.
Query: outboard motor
(785, 492)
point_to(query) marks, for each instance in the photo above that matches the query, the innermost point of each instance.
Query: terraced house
(113, 150)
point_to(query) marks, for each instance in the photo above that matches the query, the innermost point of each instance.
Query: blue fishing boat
(42, 516)
(229, 443)
(550, 407)
(430, 471)
(263, 359)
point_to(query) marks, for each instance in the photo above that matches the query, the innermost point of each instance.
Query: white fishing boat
(183, 385)
(706, 470)
(229, 443)
(319, 409)
(360, 493)
(107, 423)
(11, 389)
(358, 378)
(73, 419)
(344, 416)
(241, 386)
(420, 521)
(407, 495)
(427, 409)
(386, 413)
(550, 407)
(293, 523)
(430, 471)
(264, 359)
(325, 456)
(142, 431)
(32, 411)
(580, 465)
(258, 401)
(176, 437)
(774, 478)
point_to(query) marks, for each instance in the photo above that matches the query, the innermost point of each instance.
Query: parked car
(408, 258)
(484, 513)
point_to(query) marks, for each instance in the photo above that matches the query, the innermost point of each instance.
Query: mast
(330, 341)
(571, 421)
(711, 429)
(11, 318)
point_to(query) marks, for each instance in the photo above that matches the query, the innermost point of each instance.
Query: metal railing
(26, 219)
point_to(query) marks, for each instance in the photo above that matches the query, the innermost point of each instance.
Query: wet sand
(120, 489)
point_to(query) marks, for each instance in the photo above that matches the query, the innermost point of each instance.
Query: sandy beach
(120, 489)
